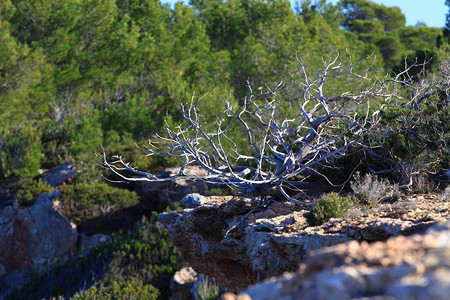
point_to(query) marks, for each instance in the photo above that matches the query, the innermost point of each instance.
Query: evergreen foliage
(75, 75)
(331, 205)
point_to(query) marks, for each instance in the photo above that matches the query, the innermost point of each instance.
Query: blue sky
(432, 12)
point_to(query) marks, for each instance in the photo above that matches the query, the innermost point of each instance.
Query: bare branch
(284, 146)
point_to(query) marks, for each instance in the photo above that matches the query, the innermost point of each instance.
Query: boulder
(33, 238)
(87, 243)
(403, 267)
(60, 174)
(192, 200)
(240, 241)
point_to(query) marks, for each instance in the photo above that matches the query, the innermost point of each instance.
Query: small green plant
(207, 290)
(331, 205)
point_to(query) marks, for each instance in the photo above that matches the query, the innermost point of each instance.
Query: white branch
(282, 148)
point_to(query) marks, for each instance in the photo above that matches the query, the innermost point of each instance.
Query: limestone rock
(228, 296)
(241, 241)
(412, 267)
(32, 238)
(198, 232)
(87, 243)
(185, 275)
(193, 200)
(60, 174)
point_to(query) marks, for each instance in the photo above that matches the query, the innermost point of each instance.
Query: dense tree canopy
(77, 74)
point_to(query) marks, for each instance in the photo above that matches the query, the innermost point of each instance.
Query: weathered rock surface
(13, 279)
(403, 267)
(240, 241)
(192, 200)
(32, 238)
(60, 174)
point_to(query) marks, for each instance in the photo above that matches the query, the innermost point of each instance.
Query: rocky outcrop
(60, 174)
(240, 241)
(404, 267)
(32, 238)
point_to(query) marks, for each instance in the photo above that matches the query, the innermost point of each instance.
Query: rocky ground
(242, 241)
(403, 267)
(257, 248)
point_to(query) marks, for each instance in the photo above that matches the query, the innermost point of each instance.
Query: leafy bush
(331, 205)
(414, 134)
(28, 191)
(130, 289)
(22, 190)
(145, 253)
(83, 201)
(66, 278)
(20, 152)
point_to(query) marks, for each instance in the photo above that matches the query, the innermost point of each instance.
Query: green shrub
(84, 201)
(145, 253)
(130, 289)
(29, 190)
(65, 279)
(331, 205)
(413, 137)
(20, 152)
(22, 190)
(220, 190)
